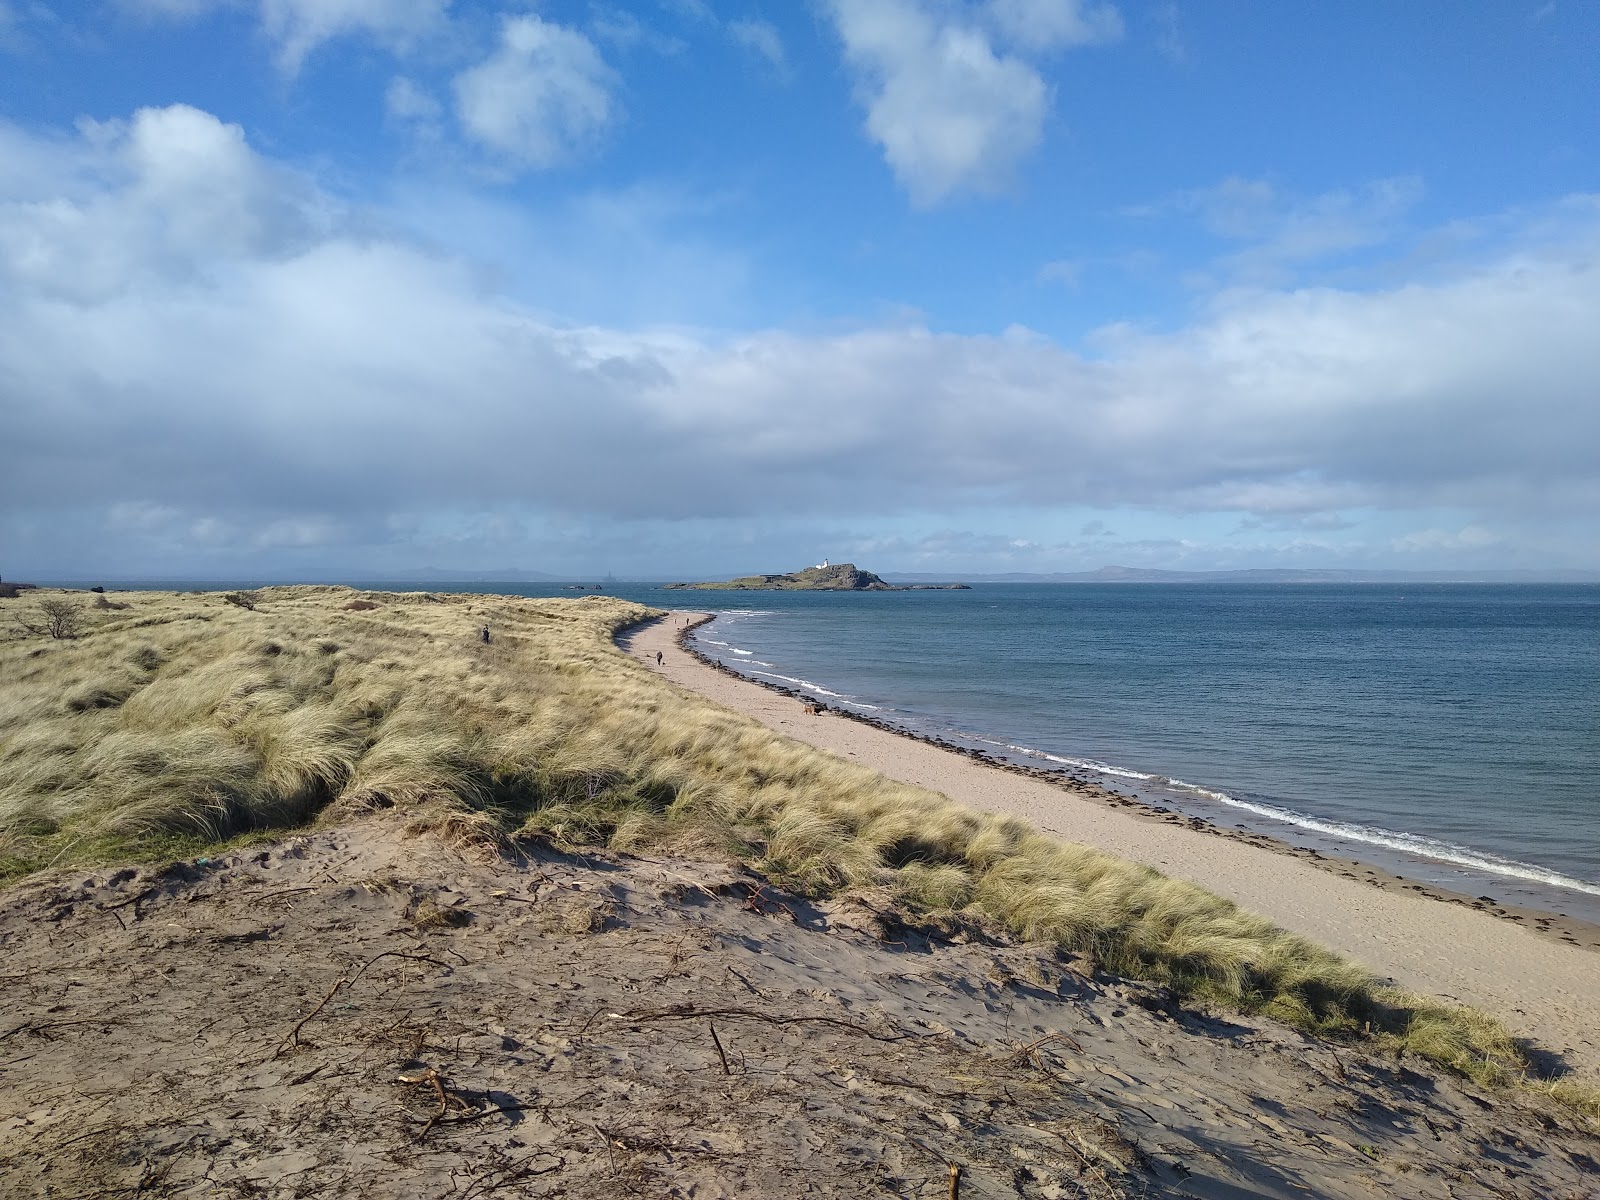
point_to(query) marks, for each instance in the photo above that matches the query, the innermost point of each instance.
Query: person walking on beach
(658, 658)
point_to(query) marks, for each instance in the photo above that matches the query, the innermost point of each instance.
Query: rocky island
(843, 577)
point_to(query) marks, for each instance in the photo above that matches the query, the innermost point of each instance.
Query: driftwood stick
(955, 1182)
(444, 1102)
(721, 1053)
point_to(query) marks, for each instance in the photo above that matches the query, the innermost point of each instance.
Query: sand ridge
(364, 1013)
(1544, 990)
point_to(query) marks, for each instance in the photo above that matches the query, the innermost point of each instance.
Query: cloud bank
(202, 345)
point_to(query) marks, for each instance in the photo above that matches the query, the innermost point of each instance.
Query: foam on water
(803, 683)
(1390, 839)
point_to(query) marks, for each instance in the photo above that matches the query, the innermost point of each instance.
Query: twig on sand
(133, 900)
(278, 895)
(606, 1142)
(685, 1013)
(955, 1182)
(38, 1028)
(750, 987)
(347, 981)
(1030, 1052)
(519, 899)
(721, 1053)
(515, 1172)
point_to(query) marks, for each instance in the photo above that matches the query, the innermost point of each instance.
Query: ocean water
(1447, 732)
(1450, 733)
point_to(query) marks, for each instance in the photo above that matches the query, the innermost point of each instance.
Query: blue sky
(685, 286)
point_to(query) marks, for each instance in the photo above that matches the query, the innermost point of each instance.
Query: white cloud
(297, 27)
(540, 98)
(300, 26)
(1052, 24)
(626, 32)
(1282, 231)
(692, 10)
(1170, 42)
(761, 38)
(172, 193)
(406, 100)
(950, 113)
(197, 335)
(176, 9)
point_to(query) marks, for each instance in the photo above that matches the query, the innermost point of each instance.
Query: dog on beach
(812, 708)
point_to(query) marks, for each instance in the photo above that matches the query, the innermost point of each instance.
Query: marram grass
(182, 721)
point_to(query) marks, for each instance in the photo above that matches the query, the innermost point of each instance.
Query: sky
(678, 288)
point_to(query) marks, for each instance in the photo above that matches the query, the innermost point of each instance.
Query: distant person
(658, 658)
(484, 634)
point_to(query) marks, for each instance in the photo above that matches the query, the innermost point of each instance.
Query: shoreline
(1561, 927)
(1535, 970)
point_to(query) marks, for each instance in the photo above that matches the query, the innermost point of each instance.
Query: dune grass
(182, 721)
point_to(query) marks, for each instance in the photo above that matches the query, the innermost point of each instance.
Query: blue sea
(1447, 732)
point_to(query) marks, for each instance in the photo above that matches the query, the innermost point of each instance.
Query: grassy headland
(180, 721)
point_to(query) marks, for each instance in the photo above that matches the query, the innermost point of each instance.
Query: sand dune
(362, 1013)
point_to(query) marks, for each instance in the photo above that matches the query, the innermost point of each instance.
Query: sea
(1448, 733)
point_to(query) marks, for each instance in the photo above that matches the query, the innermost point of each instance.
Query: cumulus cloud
(761, 38)
(542, 97)
(953, 91)
(950, 113)
(297, 27)
(171, 194)
(210, 349)
(1053, 24)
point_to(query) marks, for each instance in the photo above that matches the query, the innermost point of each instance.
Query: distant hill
(1273, 575)
(845, 577)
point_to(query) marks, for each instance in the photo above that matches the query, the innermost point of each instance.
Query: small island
(826, 577)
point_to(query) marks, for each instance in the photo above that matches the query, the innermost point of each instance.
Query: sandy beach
(1544, 988)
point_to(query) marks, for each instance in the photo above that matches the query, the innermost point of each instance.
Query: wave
(804, 683)
(1405, 843)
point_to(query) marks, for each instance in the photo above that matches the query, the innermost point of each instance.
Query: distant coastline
(1271, 575)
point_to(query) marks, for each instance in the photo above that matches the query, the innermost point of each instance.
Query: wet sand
(1538, 973)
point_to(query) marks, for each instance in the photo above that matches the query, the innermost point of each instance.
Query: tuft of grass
(201, 719)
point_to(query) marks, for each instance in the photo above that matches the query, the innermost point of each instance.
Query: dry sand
(358, 1013)
(1544, 988)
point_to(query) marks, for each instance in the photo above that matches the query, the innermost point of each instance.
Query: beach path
(1543, 989)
